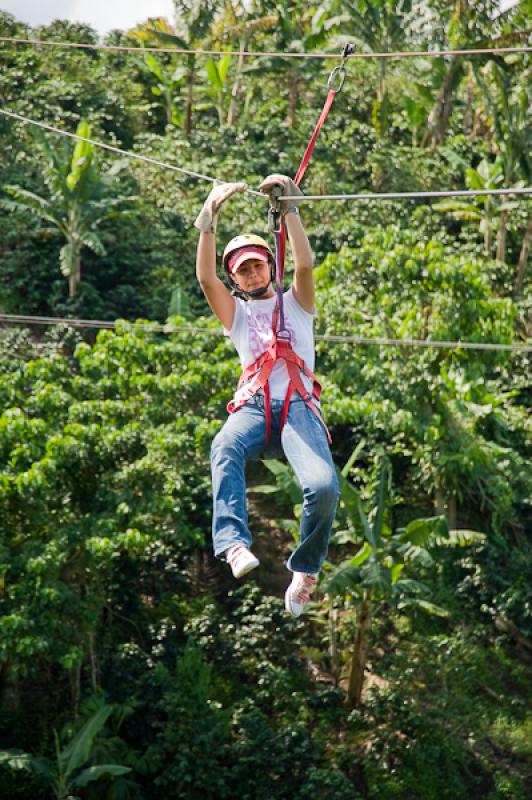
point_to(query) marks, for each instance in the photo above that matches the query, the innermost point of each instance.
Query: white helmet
(245, 240)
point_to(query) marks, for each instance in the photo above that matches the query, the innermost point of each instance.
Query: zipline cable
(210, 178)
(19, 319)
(118, 150)
(260, 54)
(410, 195)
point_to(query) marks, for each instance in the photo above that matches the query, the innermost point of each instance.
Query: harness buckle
(284, 335)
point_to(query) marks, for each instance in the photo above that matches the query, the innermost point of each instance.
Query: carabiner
(274, 219)
(337, 71)
(274, 212)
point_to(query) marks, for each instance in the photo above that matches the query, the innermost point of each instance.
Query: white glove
(284, 186)
(207, 219)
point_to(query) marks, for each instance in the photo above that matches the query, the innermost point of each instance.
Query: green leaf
(223, 66)
(29, 201)
(419, 531)
(79, 749)
(376, 576)
(396, 572)
(381, 496)
(154, 66)
(353, 457)
(265, 488)
(179, 303)
(344, 536)
(425, 605)
(67, 259)
(345, 580)
(459, 538)
(94, 773)
(212, 74)
(368, 532)
(81, 157)
(94, 243)
(15, 759)
(18, 760)
(362, 555)
(168, 38)
(410, 586)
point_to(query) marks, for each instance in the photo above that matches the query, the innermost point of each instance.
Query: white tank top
(252, 335)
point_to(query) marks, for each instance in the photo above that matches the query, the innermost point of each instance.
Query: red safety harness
(255, 378)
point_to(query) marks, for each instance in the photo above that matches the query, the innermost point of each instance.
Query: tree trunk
(446, 506)
(94, 668)
(441, 110)
(487, 239)
(235, 92)
(382, 79)
(469, 116)
(75, 688)
(9, 688)
(220, 110)
(501, 236)
(333, 643)
(191, 73)
(75, 276)
(359, 655)
(523, 258)
(169, 106)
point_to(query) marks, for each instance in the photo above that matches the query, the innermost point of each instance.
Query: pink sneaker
(241, 560)
(298, 593)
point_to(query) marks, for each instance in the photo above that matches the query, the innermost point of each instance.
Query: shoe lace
(234, 553)
(307, 585)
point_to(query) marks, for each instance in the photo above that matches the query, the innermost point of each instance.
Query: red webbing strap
(286, 406)
(291, 359)
(268, 411)
(289, 354)
(259, 380)
(280, 235)
(296, 384)
(310, 147)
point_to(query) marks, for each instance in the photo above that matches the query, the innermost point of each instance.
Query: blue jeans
(304, 443)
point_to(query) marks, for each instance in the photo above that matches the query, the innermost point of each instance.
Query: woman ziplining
(277, 400)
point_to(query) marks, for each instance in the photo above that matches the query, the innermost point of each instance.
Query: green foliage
(77, 205)
(427, 707)
(395, 285)
(484, 209)
(191, 747)
(106, 585)
(69, 771)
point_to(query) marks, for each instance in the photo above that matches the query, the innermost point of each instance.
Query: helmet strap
(258, 292)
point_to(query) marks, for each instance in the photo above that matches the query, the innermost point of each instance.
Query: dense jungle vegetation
(132, 665)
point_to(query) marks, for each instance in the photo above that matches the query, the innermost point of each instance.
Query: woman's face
(253, 275)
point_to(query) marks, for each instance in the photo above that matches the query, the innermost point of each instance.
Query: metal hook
(274, 212)
(274, 219)
(347, 51)
(339, 71)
